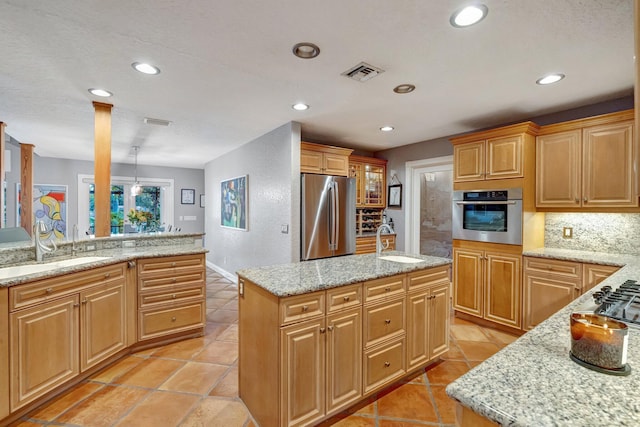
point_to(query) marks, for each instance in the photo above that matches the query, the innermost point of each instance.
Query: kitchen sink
(402, 259)
(22, 270)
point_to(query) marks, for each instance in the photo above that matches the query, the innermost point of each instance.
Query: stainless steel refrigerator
(328, 216)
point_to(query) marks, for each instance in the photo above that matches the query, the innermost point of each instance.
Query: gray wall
(272, 163)
(397, 157)
(49, 170)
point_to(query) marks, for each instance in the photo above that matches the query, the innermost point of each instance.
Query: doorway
(428, 223)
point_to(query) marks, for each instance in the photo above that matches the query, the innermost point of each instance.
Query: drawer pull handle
(346, 298)
(330, 328)
(173, 319)
(387, 321)
(49, 290)
(322, 330)
(387, 364)
(305, 308)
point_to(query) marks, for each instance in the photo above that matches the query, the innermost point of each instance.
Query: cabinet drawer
(177, 294)
(173, 265)
(566, 269)
(300, 307)
(170, 280)
(425, 278)
(383, 364)
(375, 290)
(344, 297)
(170, 319)
(383, 321)
(21, 296)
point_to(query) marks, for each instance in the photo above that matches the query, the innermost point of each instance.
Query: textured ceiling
(228, 75)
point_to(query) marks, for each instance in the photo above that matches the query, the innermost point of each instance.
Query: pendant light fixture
(136, 189)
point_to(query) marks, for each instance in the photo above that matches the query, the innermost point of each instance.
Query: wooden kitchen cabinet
(487, 284)
(587, 163)
(592, 274)
(549, 285)
(495, 154)
(62, 326)
(171, 295)
(324, 159)
(371, 178)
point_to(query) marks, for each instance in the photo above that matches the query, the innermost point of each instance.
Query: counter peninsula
(318, 336)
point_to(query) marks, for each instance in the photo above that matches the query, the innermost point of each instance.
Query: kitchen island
(533, 382)
(319, 336)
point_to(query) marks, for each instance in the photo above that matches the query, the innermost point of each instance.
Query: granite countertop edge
(532, 381)
(114, 256)
(310, 276)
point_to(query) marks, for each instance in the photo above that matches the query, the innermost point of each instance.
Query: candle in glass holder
(598, 340)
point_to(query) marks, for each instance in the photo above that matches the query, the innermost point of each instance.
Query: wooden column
(26, 187)
(102, 168)
(3, 201)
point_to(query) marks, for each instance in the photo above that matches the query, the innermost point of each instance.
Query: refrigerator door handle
(336, 216)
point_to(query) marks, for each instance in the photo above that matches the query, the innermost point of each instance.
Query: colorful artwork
(234, 203)
(50, 206)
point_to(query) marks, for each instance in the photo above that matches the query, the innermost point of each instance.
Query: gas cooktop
(622, 303)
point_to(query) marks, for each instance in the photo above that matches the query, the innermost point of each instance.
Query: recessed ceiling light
(300, 106)
(306, 50)
(469, 15)
(100, 92)
(145, 68)
(386, 128)
(550, 78)
(404, 88)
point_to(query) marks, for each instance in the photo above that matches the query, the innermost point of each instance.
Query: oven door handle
(506, 202)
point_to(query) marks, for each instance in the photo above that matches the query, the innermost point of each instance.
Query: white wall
(272, 163)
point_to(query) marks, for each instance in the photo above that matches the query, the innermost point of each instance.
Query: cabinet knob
(305, 308)
(131, 264)
(577, 200)
(173, 319)
(387, 364)
(173, 264)
(84, 301)
(322, 330)
(76, 305)
(49, 290)
(346, 298)
(387, 321)
(387, 289)
(174, 280)
(173, 296)
(107, 275)
(330, 328)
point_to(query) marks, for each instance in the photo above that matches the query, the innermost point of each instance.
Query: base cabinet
(321, 352)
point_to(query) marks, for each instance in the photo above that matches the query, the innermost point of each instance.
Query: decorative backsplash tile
(599, 232)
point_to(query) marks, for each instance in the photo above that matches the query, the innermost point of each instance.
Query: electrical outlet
(90, 247)
(567, 232)
(128, 243)
(284, 228)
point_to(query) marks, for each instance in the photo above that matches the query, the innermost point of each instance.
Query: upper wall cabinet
(371, 181)
(494, 154)
(587, 163)
(324, 159)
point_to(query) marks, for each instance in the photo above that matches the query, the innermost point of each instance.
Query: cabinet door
(608, 159)
(502, 288)
(544, 295)
(336, 164)
(468, 161)
(594, 274)
(103, 319)
(505, 157)
(311, 161)
(467, 281)
(44, 348)
(559, 170)
(344, 353)
(374, 178)
(439, 320)
(355, 171)
(302, 372)
(418, 328)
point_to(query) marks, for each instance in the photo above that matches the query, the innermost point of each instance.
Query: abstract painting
(233, 212)
(50, 207)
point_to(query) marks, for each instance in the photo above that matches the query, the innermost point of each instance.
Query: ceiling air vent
(362, 72)
(157, 122)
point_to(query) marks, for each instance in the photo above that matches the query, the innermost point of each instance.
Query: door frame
(412, 213)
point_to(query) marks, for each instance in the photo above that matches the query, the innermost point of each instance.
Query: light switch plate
(284, 228)
(567, 232)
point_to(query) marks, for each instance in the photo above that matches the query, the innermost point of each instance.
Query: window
(156, 200)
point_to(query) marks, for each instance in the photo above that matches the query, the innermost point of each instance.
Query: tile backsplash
(599, 232)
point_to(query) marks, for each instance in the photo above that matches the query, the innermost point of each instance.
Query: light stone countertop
(115, 255)
(532, 382)
(310, 276)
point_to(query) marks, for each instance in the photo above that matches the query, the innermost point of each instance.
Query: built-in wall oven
(488, 216)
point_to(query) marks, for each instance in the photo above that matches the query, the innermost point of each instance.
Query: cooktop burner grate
(621, 304)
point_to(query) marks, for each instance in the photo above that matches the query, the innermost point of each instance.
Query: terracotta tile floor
(195, 382)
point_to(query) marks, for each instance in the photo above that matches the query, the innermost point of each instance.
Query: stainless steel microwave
(488, 216)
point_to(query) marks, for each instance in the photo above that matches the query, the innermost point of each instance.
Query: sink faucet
(74, 236)
(38, 230)
(379, 245)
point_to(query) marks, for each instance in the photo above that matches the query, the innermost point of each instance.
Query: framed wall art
(50, 207)
(394, 198)
(188, 196)
(233, 206)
